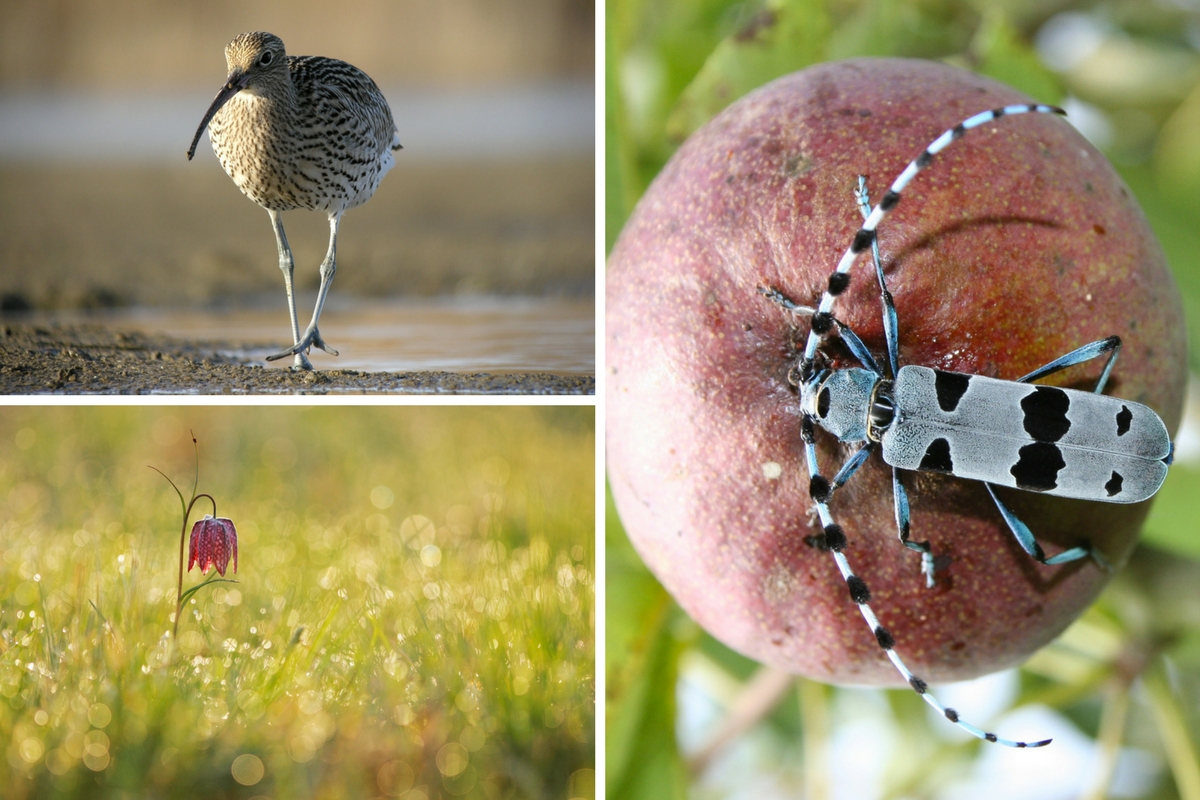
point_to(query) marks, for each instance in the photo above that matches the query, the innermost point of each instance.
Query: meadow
(413, 615)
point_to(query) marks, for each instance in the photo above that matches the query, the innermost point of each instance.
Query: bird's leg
(328, 268)
(287, 265)
(312, 336)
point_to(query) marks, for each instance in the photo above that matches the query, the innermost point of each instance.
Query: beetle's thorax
(853, 404)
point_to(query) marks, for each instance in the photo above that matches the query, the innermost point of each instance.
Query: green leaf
(1172, 521)
(1002, 54)
(901, 28)
(1174, 223)
(1177, 151)
(784, 36)
(642, 759)
(216, 578)
(642, 664)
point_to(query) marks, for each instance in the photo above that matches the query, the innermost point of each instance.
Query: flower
(213, 540)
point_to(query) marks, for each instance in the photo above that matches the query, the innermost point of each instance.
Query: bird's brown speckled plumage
(313, 133)
(300, 132)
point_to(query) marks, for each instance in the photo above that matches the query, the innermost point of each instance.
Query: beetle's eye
(266, 58)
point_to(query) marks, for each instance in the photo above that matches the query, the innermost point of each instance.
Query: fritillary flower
(213, 541)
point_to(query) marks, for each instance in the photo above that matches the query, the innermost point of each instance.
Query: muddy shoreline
(94, 359)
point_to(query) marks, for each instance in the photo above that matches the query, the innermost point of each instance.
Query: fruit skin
(1018, 244)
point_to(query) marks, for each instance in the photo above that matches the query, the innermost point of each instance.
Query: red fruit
(212, 543)
(1017, 245)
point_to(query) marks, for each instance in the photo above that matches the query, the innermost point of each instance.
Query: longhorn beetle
(1045, 439)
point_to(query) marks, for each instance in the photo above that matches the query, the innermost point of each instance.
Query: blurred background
(413, 614)
(1120, 690)
(485, 230)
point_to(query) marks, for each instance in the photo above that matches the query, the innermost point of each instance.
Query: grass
(413, 617)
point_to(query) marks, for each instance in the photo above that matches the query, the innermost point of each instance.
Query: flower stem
(187, 513)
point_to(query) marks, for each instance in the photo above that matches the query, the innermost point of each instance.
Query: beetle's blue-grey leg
(1111, 345)
(857, 347)
(891, 326)
(1024, 537)
(852, 464)
(835, 541)
(900, 503)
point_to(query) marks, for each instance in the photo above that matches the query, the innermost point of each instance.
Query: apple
(1018, 244)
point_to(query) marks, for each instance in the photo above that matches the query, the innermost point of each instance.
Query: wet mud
(94, 359)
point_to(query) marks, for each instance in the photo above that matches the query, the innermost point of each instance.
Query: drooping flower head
(212, 542)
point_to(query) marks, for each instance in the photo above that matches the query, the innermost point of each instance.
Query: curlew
(299, 132)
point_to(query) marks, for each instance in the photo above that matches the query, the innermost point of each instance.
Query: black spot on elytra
(1046, 414)
(1113, 487)
(1124, 418)
(937, 457)
(1038, 466)
(823, 400)
(950, 387)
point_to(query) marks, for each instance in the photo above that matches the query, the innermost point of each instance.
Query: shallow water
(477, 334)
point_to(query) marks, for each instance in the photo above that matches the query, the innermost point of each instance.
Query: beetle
(1015, 433)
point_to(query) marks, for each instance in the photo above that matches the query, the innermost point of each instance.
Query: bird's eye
(266, 58)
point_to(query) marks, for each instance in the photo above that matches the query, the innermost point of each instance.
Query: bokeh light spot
(417, 526)
(31, 750)
(431, 555)
(582, 785)
(452, 759)
(403, 714)
(395, 778)
(247, 769)
(472, 738)
(382, 497)
(99, 715)
(191, 643)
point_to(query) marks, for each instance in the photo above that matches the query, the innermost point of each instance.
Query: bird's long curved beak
(233, 84)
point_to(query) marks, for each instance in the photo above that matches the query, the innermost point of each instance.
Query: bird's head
(256, 60)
